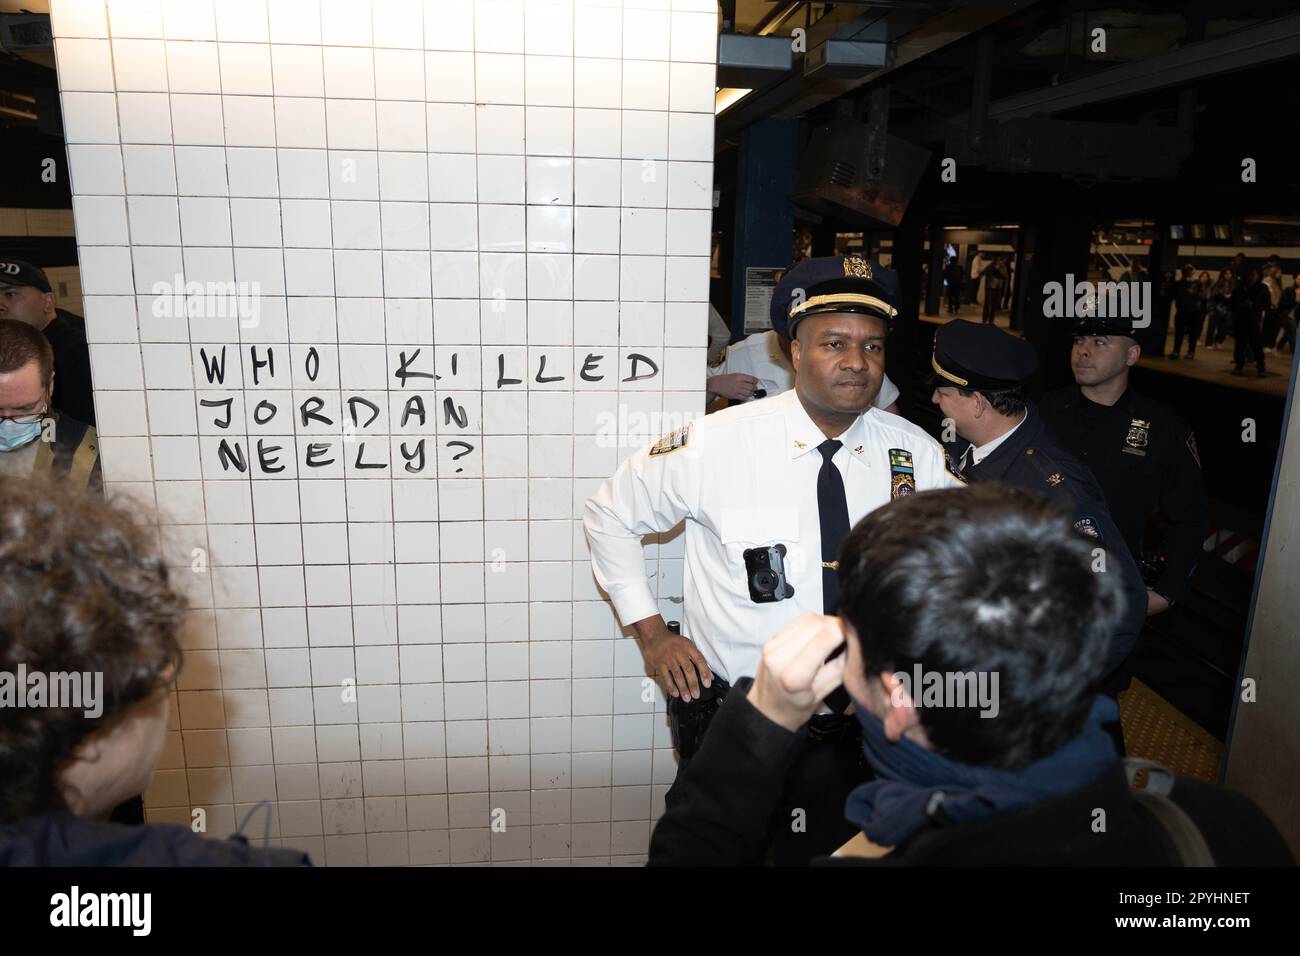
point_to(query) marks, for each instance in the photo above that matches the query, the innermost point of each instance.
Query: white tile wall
(343, 261)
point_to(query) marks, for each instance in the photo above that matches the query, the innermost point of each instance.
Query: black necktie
(833, 512)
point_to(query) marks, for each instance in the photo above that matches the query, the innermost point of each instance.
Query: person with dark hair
(1249, 302)
(1142, 453)
(954, 277)
(1271, 279)
(1189, 312)
(995, 278)
(1287, 315)
(87, 605)
(976, 264)
(37, 441)
(27, 296)
(1238, 268)
(1219, 310)
(979, 373)
(975, 629)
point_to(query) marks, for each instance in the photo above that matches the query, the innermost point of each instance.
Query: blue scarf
(912, 782)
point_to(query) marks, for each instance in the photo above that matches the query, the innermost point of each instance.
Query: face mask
(14, 435)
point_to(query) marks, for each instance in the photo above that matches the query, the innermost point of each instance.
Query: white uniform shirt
(760, 355)
(743, 477)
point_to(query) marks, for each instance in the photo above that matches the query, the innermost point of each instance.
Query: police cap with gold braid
(976, 356)
(833, 284)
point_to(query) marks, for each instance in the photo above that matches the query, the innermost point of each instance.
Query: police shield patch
(902, 476)
(1138, 437)
(671, 442)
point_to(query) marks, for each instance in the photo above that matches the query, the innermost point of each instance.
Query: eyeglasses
(29, 418)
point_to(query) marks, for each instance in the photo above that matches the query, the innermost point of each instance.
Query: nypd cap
(833, 284)
(1103, 325)
(15, 272)
(976, 356)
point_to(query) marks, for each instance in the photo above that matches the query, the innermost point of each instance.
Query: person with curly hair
(84, 591)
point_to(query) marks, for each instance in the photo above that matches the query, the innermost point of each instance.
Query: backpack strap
(1188, 841)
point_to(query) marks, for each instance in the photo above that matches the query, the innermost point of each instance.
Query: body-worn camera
(765, 568)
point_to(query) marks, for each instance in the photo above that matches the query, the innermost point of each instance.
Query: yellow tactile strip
(1156, 730)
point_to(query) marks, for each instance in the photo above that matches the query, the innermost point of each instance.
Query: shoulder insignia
(671, 442)
(1088, 525)
(952, 468)
(1191, 447)
(902, 475)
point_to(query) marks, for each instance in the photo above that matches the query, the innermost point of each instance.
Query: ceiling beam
(1242, 49)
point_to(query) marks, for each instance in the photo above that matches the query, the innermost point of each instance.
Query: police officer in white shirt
(769, 489)
(759, 366)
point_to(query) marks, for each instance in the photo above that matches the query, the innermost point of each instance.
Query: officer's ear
(1134, 353)
(795, 349)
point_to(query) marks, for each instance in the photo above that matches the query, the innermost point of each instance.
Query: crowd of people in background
(1255, 304)
(991, 275)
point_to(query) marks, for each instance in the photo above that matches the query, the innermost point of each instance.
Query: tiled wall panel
(377, 293)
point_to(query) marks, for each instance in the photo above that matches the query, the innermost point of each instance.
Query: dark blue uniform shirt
(1032, 459)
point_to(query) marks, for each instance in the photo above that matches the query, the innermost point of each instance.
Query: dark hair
(20, 344)
(1005, 401)
(82, 589)
(985, 579)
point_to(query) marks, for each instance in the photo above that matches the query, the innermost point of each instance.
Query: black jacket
(728, 794)
(73, 395)
(1188, 301)
(1250, 301)
(1033, 459)
(60, 839)
(1144, 457)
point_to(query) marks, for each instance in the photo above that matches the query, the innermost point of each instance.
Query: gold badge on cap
(857, 267)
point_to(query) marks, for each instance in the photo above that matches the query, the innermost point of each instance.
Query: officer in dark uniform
(1142, 453)
(979, 373)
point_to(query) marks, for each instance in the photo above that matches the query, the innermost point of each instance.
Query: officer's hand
(794, 676)
(1156, 603)
(735, 385)
(676, 663)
